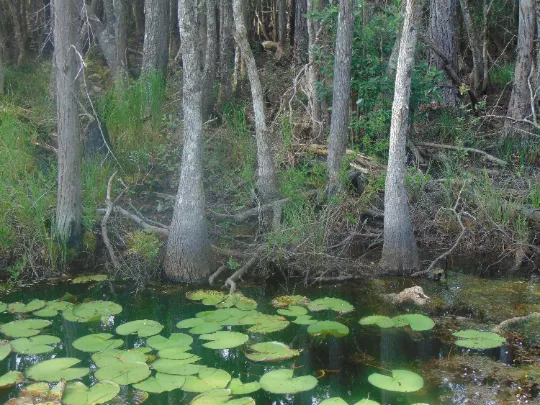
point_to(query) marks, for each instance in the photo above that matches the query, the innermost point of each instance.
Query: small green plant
(502, 74)
(416, 180)
(144, 244)
(534, 196)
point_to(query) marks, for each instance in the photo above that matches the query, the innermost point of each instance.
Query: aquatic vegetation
(20, 308)
(38, 392)
(199, 326)
(159, 342)
(177, 367)
(220, 397)
(5, 349)
(3, 307)
(97, 342)
(400, 381)
(207, 297)
(473, 339)
(293, 310)
(35, 345)
(56, 369)
(88, 279)
(76, 393)
(24, 328)
(339, 401)
(207, 379)
(325, 328)
(10, 379)
(283, 382)
(332, 304)
(122, 367)
(222, 300)
(224, 340)
(271, 351)
(416, 322)
(286, 300)
(237, 387)
(91, 311)
(304, 320)
(161, 383)
(142, 328)
(53, 308)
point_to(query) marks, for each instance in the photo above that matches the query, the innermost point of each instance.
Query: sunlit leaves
(123, 367)
(91, 311)
(334, 304)
(224, 340)
(325, 328)
(399, 381)
(285, 300)
(5, 349)
(97, 342)
(142, 327)
(161, 383)
(35, 345)
(283, 382)
(88, 279)
(473, 339)
(53, 308)
(56, 369)
(271, 351)
(416, 322)
(237, 387)
(21, 308)
(76, 393)
(207, 379)
(24, 328)
(10, 379)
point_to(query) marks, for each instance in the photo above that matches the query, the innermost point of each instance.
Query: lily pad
(3, 307)
(159, 342)
(304, 320)
(207, 297)
(198, 326)
(24, 328)
(161, 383)
(417, 322)
(239, 301)
(224, 340)
(380, 320)
(271, 351)
(91, 311)
(20, 308)
(285, 300)
(35, 345)
(179, 353)
(400, 381)
(333, 304)
(283, 382)
(10, 379)
(56, 369)
(333, 401)
(176, 367)
(123, 367)
(53, 308)
(142, 327)
(207, 379)
(225, 316)
(39, 392)
(87, 279)
(367, 402)
(220, 397)
(76, 393)
(293, 310)
(263, 323)
(325, 328)
(237, 387)
(473, 339)
(97, 342)
(5, 349)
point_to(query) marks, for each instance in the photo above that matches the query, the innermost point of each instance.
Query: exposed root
(512, 321)
(237, 275)
(104, 232)
(216, 274)
(413, 294)
(139, 221)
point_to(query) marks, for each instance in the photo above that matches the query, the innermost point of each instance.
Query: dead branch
(512, 321)
(489, 157)
(46, 147)
(110, 205)
(237, 275)
(137, 220)
(220, 270)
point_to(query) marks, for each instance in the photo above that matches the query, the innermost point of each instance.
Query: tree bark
(521, 104)
(174, 33)
(226, 53)
(339, 124)
(1, 62)
(282, 22)
(392, 61)
(400, 253)
(18, 17)
(137, 9)
(267, 185)
(156, 36)
(211, 58)
(442, 32)
(313, 76)
(477, 74)
(69, 195)
(188, 256)
(300, 49)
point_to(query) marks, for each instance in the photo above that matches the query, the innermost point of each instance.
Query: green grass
(503, 74)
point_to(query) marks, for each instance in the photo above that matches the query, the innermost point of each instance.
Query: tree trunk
(477, 74)
(313, 76)
(137, 9)
(188, 256)
(442, 32)
(521, 105)
(267, 185)
(1, 63)
(282, 22)
(18, 17)
(339, 124)
(300, 49)
(174, 33)
(400, 254)
(69, 195)
(211, 59)
(226, 53)
(156, 36)
(537, 87)
(392, 61)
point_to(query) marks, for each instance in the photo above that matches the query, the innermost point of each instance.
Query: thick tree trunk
(313, 76)
(282, 22)
(226, 53)
(300, 49)
(339, 124)
(18, 18)
(475, 43)
(521, 105)
(442, 32)
(267, 185)
(156, 36)
(211, 59)
(188, 256)
(400, 254)
(69, 195)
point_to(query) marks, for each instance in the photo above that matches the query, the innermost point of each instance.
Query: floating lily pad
(76, 393)
(3, 307)
(159, 342)
(263, 323)
(224, 340)
(271, 351)
(473, 339)
(325, 328)
(400, 381)
(35, 345)
(379, 320)
(225, 316)
(417, 322)
(333, 401)
(39, 392)
(293, 310)
(285, 300)
(239, 301)
(366, 402)
(24, 328)
(97, 342)
(237, 387)
(161, 383)
(207, 379)
(333, 304)
(207, 297)
(304, 320)
(220, 397)
(123, 367)
(283, 382)
(142, 327)
(88, 279)
(56, 369)
(20, 308)
(5, 349)
(176, 367)
(53, 308)
(198, 326)
(179, 353)
(10, 379)
(91, 311)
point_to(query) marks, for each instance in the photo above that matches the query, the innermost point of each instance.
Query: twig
(143, 224)
(458, 148)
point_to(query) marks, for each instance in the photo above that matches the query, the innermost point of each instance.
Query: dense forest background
(205, 139)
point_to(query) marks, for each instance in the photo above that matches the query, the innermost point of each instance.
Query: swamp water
(338, 366)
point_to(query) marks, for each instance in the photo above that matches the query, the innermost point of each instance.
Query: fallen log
(486, 155)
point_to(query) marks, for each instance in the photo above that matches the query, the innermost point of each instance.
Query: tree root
(237, 275)
(512, 321)
(489, 157)
(104, 232)
(216, 274)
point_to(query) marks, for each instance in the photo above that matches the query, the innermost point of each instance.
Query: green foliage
(473, 339)
(416, 180)
(502, 75)
(144, 244)
(283, 382)
(400, 381)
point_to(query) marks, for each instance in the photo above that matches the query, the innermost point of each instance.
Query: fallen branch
(237, 275)
(216, 274)
(512, 321)
(104, 233)
(137, 220)
(462, 148)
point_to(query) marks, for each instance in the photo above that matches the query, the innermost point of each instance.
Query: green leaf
(367, 402)
(400, 381)
(91, 311)
(207, 297)
(10, 379)
(325, 328)
(76, 393)
(271, 351)
(224, 340)
(87, 279)
(239, 301)
(379, 320)
(283, 382)
(176, 367)
(473, 339)
(24, 328)
(285, 300)
(161, 383)
(142, 327)
(5, 349)
(220, 397)
(263, 323)
(417, 322)
(304, 320)
(237, 387)
(35, 345)
(56, 369)
(3, 306)
(225, 316)
(53, 308)
(198, 326)
(123, 367)
(179, 353)
(97, 342)
(159, 342)
(333, 401)
(333, 304)
(20, 308)
(293, 310)
(207, 379)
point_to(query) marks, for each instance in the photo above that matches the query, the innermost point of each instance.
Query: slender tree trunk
(1, 62)
(211, 59)
(392, 61)
(475, 43)
(226, 53)
(69, 196)
(156, 36)
(267, 185)
(282, 22)
(300, 50)
(537, 87)
(18, 17)
(400, 254)
(442, 32)
(339, 124)
(521, 105)
(188, 256)
(313, 76)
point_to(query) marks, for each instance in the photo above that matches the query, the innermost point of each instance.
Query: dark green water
(341, 365)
